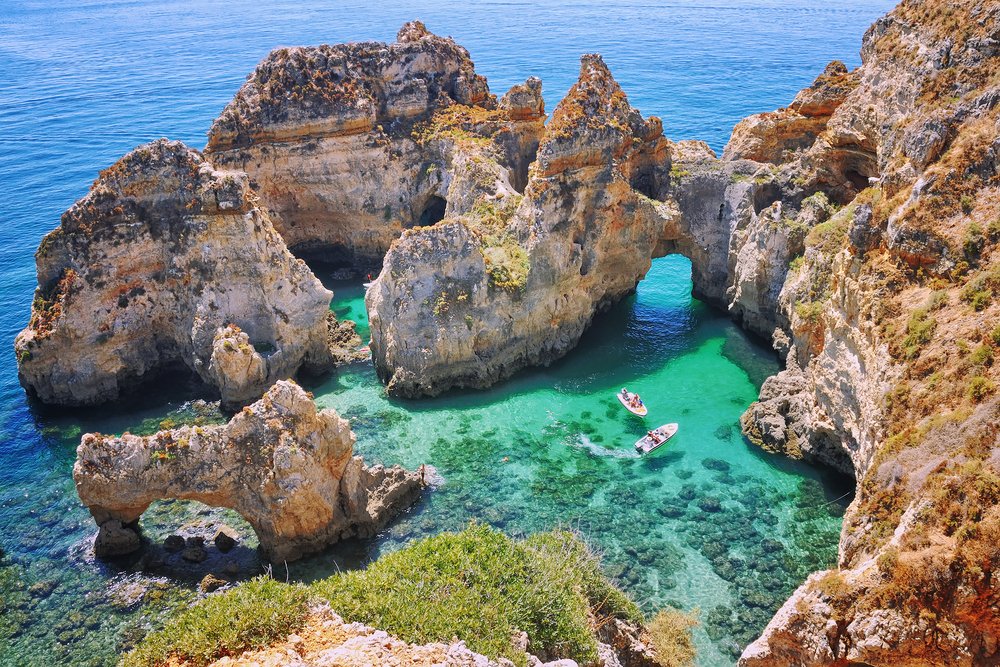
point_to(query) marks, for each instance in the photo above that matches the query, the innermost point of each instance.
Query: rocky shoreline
(856, 229)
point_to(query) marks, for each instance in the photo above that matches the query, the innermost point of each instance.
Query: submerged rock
(285, 467)
(167, 264)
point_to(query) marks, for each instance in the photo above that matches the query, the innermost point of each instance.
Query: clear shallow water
(85, 82)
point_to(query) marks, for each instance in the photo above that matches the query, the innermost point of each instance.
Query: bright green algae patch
(477, 585)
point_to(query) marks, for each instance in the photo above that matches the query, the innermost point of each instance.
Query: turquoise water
(706, 521)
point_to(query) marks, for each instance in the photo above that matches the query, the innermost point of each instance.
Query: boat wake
(583, 442)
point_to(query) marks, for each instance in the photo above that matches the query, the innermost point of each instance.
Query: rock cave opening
(433, 212)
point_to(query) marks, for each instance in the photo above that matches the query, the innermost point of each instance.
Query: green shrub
(993, 230)
(507, 263)
(797, 263)
(481, 586)
(670, 634)
(252, 615)
(919, 330)
(995, 335)
(982, 356)
(478, 585)
(972, 245)
(810, 311)
(980, 388)
(831, 236)
(979, 293)
(967, 202)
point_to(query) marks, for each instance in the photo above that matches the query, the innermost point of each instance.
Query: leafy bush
(506, 260)
(830, 236)
(670, 632)
(810, 311)
(252, 615)
(507, 265)
(919, 331)
(982, 356)
(481, 586)
(478, 585)
(980, 388)
(979, 293)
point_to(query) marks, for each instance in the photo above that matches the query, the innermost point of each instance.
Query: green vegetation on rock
(478, 585)
(506, 260)
(250, 616)
(670, 632)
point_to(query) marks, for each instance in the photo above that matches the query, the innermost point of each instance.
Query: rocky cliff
(517, 279)
(348, 145)
(287, 468)
(856, 229)
(166, 264)
(892, 329)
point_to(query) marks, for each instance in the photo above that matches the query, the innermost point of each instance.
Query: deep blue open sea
(707, 523)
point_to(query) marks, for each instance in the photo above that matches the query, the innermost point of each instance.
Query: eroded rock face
(881, 380)
(516, 280)
(145, 273)
(340, 144)
(287, 468)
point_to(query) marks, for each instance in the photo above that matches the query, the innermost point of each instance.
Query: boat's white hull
(641, 411)
(646, 444)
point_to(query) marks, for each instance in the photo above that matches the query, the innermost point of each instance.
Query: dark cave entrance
(433, 212)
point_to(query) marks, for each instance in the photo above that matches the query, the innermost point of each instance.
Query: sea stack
(169, 264)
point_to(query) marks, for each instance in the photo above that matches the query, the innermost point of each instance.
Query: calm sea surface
(707, 522)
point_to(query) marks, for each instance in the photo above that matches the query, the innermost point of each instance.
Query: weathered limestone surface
(517, 280)
(146, 272)
(287, 468)
(335, 141)
(880, 318)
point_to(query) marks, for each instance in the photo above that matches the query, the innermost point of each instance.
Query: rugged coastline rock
(169, 263)
(892, 332)
(326, 640)
(287, 468)
(857, 229)
(339, 141)
(517, 279)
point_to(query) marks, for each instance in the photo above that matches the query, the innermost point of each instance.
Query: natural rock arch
(285, 467)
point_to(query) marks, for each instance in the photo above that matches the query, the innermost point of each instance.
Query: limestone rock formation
(327, 640)
(341, 144)
(517, 279)
(169, 264)
(287, 468)
(891, 334)
(856, 229)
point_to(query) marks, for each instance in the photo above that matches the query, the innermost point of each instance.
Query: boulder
(115, 538)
